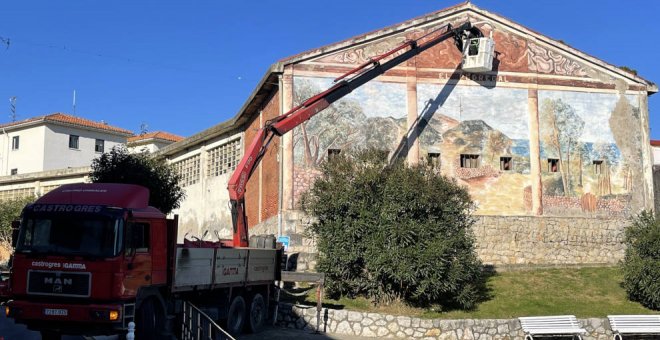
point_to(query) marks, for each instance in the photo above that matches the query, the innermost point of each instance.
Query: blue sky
(183, 66)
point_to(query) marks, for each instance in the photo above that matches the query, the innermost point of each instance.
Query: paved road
(11, 331)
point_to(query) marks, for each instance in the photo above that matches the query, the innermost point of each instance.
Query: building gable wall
(541, 104)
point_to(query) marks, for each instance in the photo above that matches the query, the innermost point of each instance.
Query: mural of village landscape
(583, 170)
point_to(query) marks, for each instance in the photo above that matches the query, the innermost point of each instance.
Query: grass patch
(586, 292)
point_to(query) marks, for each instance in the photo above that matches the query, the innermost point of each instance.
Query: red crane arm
(344, 85)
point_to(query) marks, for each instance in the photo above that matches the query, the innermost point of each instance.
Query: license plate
(56, 312)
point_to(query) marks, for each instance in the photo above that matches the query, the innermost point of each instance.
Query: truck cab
(83, 255)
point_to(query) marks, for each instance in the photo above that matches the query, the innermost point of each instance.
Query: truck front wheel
(150, 320)
(236, 315)
(257, 315)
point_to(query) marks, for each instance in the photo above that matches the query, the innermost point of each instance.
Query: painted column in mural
(412, 143)
(535, 152)
(287, 144)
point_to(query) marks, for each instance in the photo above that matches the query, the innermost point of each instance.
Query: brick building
(553, 144)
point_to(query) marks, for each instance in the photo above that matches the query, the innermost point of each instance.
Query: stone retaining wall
(514, 241)
(390, 326)
(530, 240)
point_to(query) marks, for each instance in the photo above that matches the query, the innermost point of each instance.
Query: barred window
(16, 193)
(188, 170)
(224, 158)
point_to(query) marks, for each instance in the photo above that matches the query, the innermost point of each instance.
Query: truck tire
(50, 335)
(236, 316)
(257, 316)
(149, 321)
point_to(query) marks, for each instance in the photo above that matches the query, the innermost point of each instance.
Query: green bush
(641, 265)
(394, 233)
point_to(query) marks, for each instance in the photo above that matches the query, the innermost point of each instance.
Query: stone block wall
(505, 241)
(354, 323)
(530, 240)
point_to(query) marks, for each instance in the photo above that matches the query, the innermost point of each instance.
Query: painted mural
(588, 152)
(585, 171)
(490, 124)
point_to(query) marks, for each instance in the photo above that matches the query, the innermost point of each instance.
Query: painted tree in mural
(561, 128)
(338, 129)
(498, 144)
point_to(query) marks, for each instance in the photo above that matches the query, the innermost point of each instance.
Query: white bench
(558, 325)
(634, 324)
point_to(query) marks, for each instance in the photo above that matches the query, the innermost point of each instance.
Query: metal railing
(196, 325)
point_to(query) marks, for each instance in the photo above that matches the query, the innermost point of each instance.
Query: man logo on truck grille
(57, 283)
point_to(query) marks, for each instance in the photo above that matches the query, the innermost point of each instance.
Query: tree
(120, 166)
(394, 233)
(10, 210)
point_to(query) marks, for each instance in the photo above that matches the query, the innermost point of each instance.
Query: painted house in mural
(550, 131)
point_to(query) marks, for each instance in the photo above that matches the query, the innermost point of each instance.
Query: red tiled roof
(156, 135)
(71, 120)
(655, 142)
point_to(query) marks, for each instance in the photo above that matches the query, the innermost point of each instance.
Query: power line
(63, 47)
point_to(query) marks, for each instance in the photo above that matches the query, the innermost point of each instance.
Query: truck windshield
(71, 234)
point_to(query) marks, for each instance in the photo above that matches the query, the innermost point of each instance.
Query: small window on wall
(506, 163)
(469, 161)
(598, 167)
(433, 159)
(553, 165)
(73, 142)
(99, 145)
(14, 142)
(333, 153)
(14, 171)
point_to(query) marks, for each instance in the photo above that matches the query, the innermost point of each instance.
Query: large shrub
(641, 265)
(393, 233)
(121, 166)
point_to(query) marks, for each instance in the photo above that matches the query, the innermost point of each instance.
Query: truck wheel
(236, 315)
(149, 321)
(257, 317)
(50, 335)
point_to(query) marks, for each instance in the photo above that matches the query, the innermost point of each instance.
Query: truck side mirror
(15, 225)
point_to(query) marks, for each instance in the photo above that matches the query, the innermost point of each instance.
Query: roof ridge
(60, 117)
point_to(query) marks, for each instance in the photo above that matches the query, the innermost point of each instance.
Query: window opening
(506, 163)
(469, 161)
(73, 142)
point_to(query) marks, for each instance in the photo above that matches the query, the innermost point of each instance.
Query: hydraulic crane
(469, 41)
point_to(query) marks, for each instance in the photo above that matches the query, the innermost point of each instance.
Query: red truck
(90, 258)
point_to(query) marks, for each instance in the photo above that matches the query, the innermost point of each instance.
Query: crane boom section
(284, 123)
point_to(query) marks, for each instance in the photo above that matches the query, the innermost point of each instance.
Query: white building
(151, 142)
(655, 148)
(55, 141)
